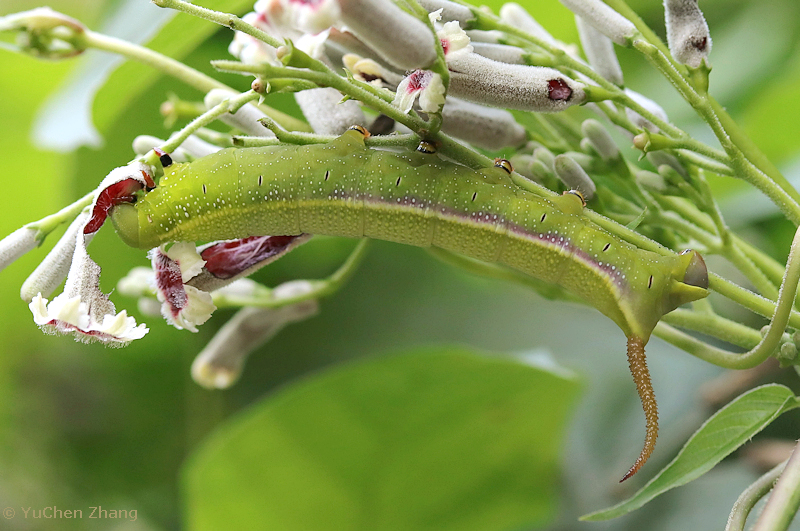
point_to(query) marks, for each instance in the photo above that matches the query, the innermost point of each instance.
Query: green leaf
(177, 39)
(438, 438)
(728, 429)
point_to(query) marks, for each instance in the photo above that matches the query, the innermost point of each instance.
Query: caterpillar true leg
(641, 377)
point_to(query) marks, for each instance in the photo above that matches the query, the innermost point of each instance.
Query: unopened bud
(528, 88)
(245, 119)
(327, 113)
(500, 52)
(574, 177)
(16, 244)
(599, 52)
(52, 271)
(661, 158)
(397, 36)
(546, 157)
(484, 127)
(687, 32)
(651, 181)
(637, 119)
(607, 21)
(220, 364)
(600, 140)
(787, 354)
(516, 16)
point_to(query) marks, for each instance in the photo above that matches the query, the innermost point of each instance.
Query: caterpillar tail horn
(641, 377)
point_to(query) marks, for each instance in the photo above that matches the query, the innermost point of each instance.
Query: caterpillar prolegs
(343, 188)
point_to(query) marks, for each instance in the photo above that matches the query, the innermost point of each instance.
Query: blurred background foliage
(366, 416)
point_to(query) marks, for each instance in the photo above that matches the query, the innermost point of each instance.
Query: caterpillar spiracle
(343, 188)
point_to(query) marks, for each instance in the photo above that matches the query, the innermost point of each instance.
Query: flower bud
(45, 33)
(600, 140)
(687, 32)
(660, 158)
(599, 51)
(52, 271)
(327, 113)
(397, 36)
(500, 52)
(651, 181)
(16, 244)
(484, 127)
(607, 21)
(574, 177)
(220, 364)
(516, 16)
(245, 119)
(527, 88)
(370, 71)
(637, 119)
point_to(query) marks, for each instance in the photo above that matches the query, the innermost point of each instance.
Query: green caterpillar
(346, 189)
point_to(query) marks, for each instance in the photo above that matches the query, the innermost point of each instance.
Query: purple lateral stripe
(549, 239)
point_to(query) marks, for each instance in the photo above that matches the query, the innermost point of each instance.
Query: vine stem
(785, 498)
(751, 495)
(768, 344)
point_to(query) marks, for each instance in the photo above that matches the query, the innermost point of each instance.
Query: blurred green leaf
(728, 429)
(177, 39)
(438, 438)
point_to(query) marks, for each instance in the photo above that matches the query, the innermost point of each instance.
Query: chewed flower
(70, 315)
(182, 306)
(370, 71)
(424, 84)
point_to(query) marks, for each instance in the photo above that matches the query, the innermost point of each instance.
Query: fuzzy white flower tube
(599, 51)
(54, 268)
(398, 37)
(450, 10)
(500, 52)
(327, 113)
(687, 32)
(518, 17)
(528, 88)
(245, 119)
(16, 244)
(607, 21)
(485, 127)
(191, 148)
(648, 104)
(600, 140)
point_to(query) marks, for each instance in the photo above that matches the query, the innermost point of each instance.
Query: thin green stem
(48, 224)
(715, 326)
(768, 344)
(752, 301)
(705, 163)
(750, 497)
(785, 498)
(320, 288)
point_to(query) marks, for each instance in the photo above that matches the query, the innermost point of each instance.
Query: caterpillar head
(690, 281)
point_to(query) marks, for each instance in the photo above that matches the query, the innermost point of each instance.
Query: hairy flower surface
(422, 84)
(184, 307)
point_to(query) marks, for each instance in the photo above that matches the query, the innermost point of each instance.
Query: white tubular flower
(193, 147)
(401, 39)
(516, 16)
(16, 244)
(687, 32)
(370, 71)
(184, 307)
(484, 127)
(607, 21)
(527, 88)
(220, 364)
(449, 10)
(327, 113)
(500, 52)
(574, 177)
(228, 261)
(244, 119)
(83, 310)
(250, 50)
(422, 84)
(455, 41)
(648, 104)
(54, 268)
(488, 36)
(599, 52)
(311, 16)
